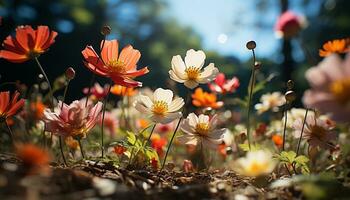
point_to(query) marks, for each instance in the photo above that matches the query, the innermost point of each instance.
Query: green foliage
(253, 147)
(291, 158)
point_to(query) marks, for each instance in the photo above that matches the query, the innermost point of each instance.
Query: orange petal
(110, 50)
(25, 37)
(13, 57)
(130, 57)
(42, 35)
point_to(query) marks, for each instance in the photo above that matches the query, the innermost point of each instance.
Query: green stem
(302, 131)
(81, 149)
(46, 78)
(252, 83)
(285, 126)
(150, 135)
(103, 119)
(61, 149)
(10, 132)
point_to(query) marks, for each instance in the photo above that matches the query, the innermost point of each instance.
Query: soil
(98, 180)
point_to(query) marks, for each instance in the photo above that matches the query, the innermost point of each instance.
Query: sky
(226, 25)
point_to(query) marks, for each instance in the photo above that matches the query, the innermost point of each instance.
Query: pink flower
(330, 87)
(222, 85)
(187, 166)
(97, 92)
(164, 128)
(74, 120)
(110, 122)
(317, 132)
(288, 25)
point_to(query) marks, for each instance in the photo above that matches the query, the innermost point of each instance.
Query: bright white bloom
(256, 163)
(270, 101)
(201, 130)
(161, 108)
(189, 72)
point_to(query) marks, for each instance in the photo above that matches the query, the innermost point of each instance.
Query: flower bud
(257, 65)
(70, 73)
(290, 84)
(106, 30)
(290, 96)
(251, 45)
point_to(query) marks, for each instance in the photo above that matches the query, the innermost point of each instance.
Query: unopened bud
(257, 65)
(290, 84)
(290, 96)
(106, 30)
(251, 45)
(70, 73)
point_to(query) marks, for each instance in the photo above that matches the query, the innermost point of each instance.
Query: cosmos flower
(121, 68)
(289, 24)
(277, 140)
(123, 91)
(161, 108)
(201, 131)
(222, 85)
(270, 101)
(8, 106)
(34, 159)
(74, 120)
(330, 87)
(317, 132)
(205, 99)
(97, 92)
(256, 163)
(336, 46)
(190, 72)
(27, 44)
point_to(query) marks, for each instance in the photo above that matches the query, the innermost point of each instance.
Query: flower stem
(302, 131)
(46, 78)
(171, 141)
(285, 125)
(61, 149)
(103, 119)
(252, 83)
(81, 149)
(10, 132)
(150, 135)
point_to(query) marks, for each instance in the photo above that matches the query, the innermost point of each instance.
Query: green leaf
(253, 147)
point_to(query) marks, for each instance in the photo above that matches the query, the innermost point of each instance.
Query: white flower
(201, 130)
(189, 72)
(256, 163)
(161, 108)
(270, 101)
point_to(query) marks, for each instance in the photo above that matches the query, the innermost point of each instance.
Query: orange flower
(205, 99)
(123, 91)
(71, 143)
(33, 157)
(37, 109)
(7, 108)
(143, 123)
(158, 143)
(278, 140)
(27, 44)
(121, 68)
(335, 46)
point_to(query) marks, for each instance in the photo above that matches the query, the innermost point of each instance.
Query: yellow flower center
(341, 90)
(192, 73)
(160, 107)
(257, 168)
(202, 128)
(117, 65)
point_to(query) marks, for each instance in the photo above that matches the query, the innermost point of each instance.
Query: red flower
(119, 150)
(154, 163)
(97, 92)
(27, 44)
(158, 143)
(288, 25)
(121, 68)
(222, 85)
(33, 157)
(9, 108)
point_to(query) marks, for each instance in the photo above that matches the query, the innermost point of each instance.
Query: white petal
(209, 74)
(188, 139)
(195, 58)
(203, 118)
(178, 65)
(176, 105)
(167, 118)
(176, 78)
(145, 100)
(192, 119)
(187, 128)
(141, 108)
(191, 84)
(213, 122)
(163, 95)
(217, 134)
